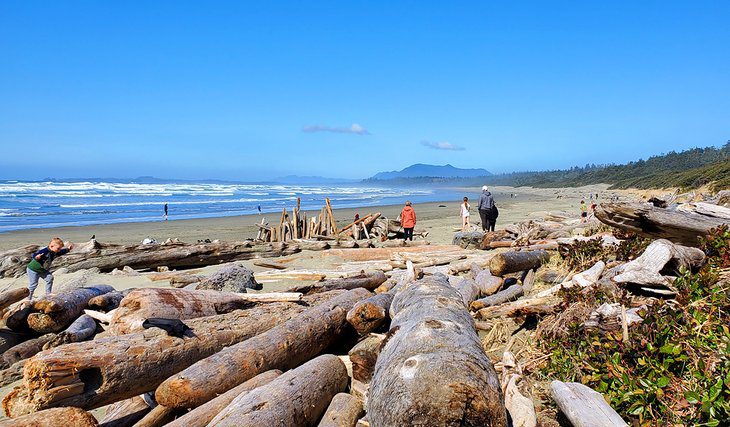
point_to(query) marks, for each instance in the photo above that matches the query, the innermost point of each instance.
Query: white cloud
(354, 128)
(443, 145)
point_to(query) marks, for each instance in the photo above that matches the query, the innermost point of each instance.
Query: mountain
(420, 170)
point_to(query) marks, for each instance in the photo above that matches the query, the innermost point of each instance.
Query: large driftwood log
(81, 329)
(26, 349)
(468, 290)
(509, 294)
(55, 312)
(370, 313)
(363, 357)
(108, 301)
(283, 347)
(204, 414)
(660, 223)
(433, 369)
(53, 418)
(344, 411)
(107, 257)
(143, 304)
(584, 407)
(12, 296)
(514, 261)
(297, 398)
(659, 263)
(125, 412)
(94, 373)
(368, 281)
(10, 338)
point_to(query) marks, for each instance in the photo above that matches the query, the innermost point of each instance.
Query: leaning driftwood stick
(203, 414)
(368, 281)
(101, 317)
(584, 407)
(54, 417)
(12, 296)
(55, 312)
(509, 294)
(344, 411)
(370, 313)
(514, 261)
(81, 329)
(91, 374)
(364, 355)
(446, 379)
(587, 278)
(306, 335)
(297, 398)
(125, 412)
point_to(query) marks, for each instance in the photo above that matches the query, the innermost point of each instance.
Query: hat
(485, 188)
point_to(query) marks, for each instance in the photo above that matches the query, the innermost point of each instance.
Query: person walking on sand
(583, 211)
(485, 205)
(165, 211)
(40, 264)
(465, 214)
(408, 221)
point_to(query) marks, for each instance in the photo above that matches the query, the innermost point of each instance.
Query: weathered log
(344, 411)
(16, 318)
(9, 338)
(368, 281)
(297, 398)
(587, 278)
(53, 418)
(108, 301)
(523, 307)
(12, 296)
(283, 347)
(659, 223)
(658, 264)
(95, 373)
(468, 239)
(100, 317)
(125, 412)
(55, 312)
(514, 261)
(444, 380)
(26, 349)
(157, 417)
(107, 257)
(363, 357)
(520, 408)
(81, 329)
(468, 290)
(12, 374)
(509, 294)
(143, 304)
(486, 283)
(371, 313)
(204, 414)
(583, 406)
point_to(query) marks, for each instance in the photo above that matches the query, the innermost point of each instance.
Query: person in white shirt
(465, 214)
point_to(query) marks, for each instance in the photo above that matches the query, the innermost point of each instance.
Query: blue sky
(253, 90)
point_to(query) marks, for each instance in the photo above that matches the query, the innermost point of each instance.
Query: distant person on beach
(486, 203)
(494, 213)
(357, 216)
(165, 211)
(465, 206)
(583, 211)
(259, 208)
(40, 265)
(408, 221)
(593, 209)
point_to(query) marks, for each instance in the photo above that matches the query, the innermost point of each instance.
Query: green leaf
(692, 397)
(662, 382)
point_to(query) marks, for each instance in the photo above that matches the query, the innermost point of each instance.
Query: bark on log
(81, 329)
(204, 414)
(445, 380)
(108, 301)
(370, 313)
(584, 407)
(26, 349)
(55, 312)
(95, 373)
(125, 413)
(297, 398)
(659, 223)
(509, 294)
(368, 281)
(343, 411)
(514, 261)
(363, 357)
(53, 418)
(143, 304)
(12, 296)
(283, 347)
(107, 257)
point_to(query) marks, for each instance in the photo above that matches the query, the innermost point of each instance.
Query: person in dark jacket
(486, 203)
(40, 265)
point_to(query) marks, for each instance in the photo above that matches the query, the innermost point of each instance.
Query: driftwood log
(54, 417)
(370, 313)
(55, 312)
(363, 357)
(444, 380)
(12, 296)
(368, 281)
(108, 301)
(283, 347)
(12, 374)
(297, 398)
(9, 338)
(26, 349)
(520, 407)
(95, 373)
(157, 417)
(125, 412)
(509, 294)
(514, 261)
(81, 329)
(583, 406)
(344, 411)
(679, 226)
(143, 304)
(204, 414)
(521, 308)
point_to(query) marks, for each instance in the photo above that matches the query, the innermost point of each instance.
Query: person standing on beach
(486, 203)
(165, 211)
(40, 264)
(259, 208)
(465, 214)
(408, 221)
(583, 211)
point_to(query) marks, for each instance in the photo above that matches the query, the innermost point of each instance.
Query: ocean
(26, 204)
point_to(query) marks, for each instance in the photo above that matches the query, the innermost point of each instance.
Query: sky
(255, 90)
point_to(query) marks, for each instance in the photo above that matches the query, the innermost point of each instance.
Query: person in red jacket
(408, 220)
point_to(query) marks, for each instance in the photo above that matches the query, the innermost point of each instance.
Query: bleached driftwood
(587, 278)
(520, 407)
(583, 406)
